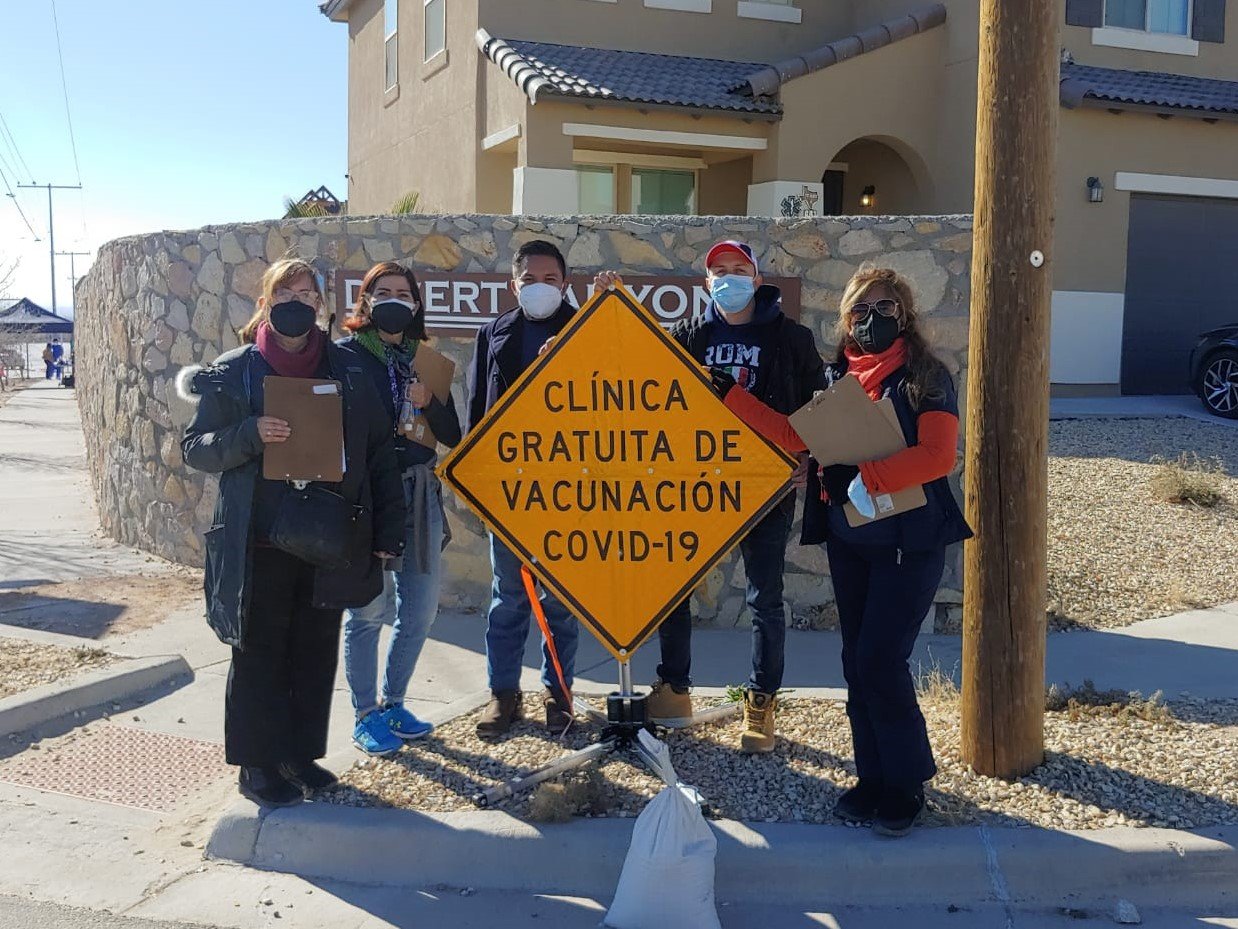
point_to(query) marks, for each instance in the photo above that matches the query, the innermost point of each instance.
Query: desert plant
(1122, 704)
(408, 203)
(296, 209)
(1188, 479)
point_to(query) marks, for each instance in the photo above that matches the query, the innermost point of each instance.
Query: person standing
(505, 347)
(49, 362)
(885, 573)
(279, 612)
(748, 343)
(57, 358)
(387, 325)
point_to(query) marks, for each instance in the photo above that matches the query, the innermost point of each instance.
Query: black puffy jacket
(223, 439)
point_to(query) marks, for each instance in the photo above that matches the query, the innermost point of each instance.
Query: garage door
(1181, 279)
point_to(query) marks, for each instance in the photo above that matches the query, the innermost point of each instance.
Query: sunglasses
(880, 307)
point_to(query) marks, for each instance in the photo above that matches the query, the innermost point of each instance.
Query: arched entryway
(876, 175)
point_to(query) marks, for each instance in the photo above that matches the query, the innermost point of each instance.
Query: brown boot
(558, 711)
(503, 709)
(667, 706)
(758, 735)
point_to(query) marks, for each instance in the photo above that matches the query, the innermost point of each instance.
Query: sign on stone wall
(459, 303)
(613, 471)
(154, 304)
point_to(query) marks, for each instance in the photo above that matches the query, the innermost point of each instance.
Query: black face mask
(876, 333)
(391, 316)
(293, 319)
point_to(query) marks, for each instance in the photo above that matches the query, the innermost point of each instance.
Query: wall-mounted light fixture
(1096, 190)
(867, 196)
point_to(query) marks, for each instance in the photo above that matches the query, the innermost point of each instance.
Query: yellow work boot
(667, 706)
(758, 735)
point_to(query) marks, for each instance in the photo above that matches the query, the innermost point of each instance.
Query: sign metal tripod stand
(626, 729)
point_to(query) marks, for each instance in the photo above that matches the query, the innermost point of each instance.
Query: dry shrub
(1077, 702)
(934, 685)
(1189, 479)
(578, 793)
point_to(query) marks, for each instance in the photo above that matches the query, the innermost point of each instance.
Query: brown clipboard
(314, 411)
(887, 505)
(436, 371)
(842, 425)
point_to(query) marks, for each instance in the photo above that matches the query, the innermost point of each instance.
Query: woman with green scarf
(387, 324)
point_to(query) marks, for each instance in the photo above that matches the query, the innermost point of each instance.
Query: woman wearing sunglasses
(886, 572)
(387, 325)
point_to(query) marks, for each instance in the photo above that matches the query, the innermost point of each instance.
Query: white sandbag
(668, 875)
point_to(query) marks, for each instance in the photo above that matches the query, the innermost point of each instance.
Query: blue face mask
(732, 292)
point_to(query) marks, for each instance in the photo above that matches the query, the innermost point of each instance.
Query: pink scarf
(291, 364)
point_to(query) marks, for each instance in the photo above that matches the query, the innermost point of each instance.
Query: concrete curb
(33, 708)
(756, 863)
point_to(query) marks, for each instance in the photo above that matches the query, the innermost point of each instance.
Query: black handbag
(318, 526)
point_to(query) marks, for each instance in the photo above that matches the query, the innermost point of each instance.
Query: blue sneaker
(374, 737)
(403, 724)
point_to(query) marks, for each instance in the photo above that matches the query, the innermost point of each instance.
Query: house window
(436, 27)
(391, 68)
(665, 193)
(596, 187)
(1171, 17)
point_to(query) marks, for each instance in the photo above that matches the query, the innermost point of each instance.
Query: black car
(1214, 370)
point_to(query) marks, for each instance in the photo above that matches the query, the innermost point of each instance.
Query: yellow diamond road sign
(614, 471)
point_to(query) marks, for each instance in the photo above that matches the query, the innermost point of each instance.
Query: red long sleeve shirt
(932, 456)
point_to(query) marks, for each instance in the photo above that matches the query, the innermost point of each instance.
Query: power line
(12, 143)
(20, 212)
(65, 86)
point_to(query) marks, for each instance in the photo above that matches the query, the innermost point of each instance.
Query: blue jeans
(507, 626)
(409, 604)
(764, 550)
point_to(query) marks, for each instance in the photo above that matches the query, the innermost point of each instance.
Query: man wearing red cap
(746, 341)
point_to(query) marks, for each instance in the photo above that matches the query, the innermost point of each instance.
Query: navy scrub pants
(883, 595)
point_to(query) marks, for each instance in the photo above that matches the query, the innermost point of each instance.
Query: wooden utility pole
(1008, 388)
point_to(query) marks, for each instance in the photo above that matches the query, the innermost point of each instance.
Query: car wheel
(1218, 384)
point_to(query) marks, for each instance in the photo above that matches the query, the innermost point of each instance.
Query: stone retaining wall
(155, 303)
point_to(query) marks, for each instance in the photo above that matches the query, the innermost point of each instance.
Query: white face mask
(539, 301)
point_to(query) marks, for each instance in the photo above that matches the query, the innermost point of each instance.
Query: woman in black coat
(279, 612)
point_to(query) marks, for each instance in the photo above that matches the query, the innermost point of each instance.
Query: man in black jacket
(505, 348)
(747, 341)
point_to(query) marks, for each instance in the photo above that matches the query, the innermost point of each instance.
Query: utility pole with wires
(73, 256)
(1006, 476)
(51, 225)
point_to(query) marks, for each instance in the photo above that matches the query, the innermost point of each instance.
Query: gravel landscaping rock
(1104, 767)
(1117, 554)
(24, 665)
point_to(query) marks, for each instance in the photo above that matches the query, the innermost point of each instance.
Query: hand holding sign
(612, 469)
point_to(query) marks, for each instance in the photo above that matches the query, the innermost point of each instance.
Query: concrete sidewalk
(1187, 406)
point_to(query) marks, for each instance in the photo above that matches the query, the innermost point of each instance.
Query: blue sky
(185, 113)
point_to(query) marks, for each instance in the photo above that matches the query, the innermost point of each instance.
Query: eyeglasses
(309, 297)
(882, 307)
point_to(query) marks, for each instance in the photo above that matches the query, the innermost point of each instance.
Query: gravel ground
(1116, 553)
(1102, 769)
(26, 664)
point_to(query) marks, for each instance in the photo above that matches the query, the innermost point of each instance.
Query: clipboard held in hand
(314, 411)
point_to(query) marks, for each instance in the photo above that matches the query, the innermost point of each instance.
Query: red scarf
(291, 364)
(872, 370)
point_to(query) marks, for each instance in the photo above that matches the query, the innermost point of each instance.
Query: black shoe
(310, 777)
(268, 787)
(859, 804)
(898, 811)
